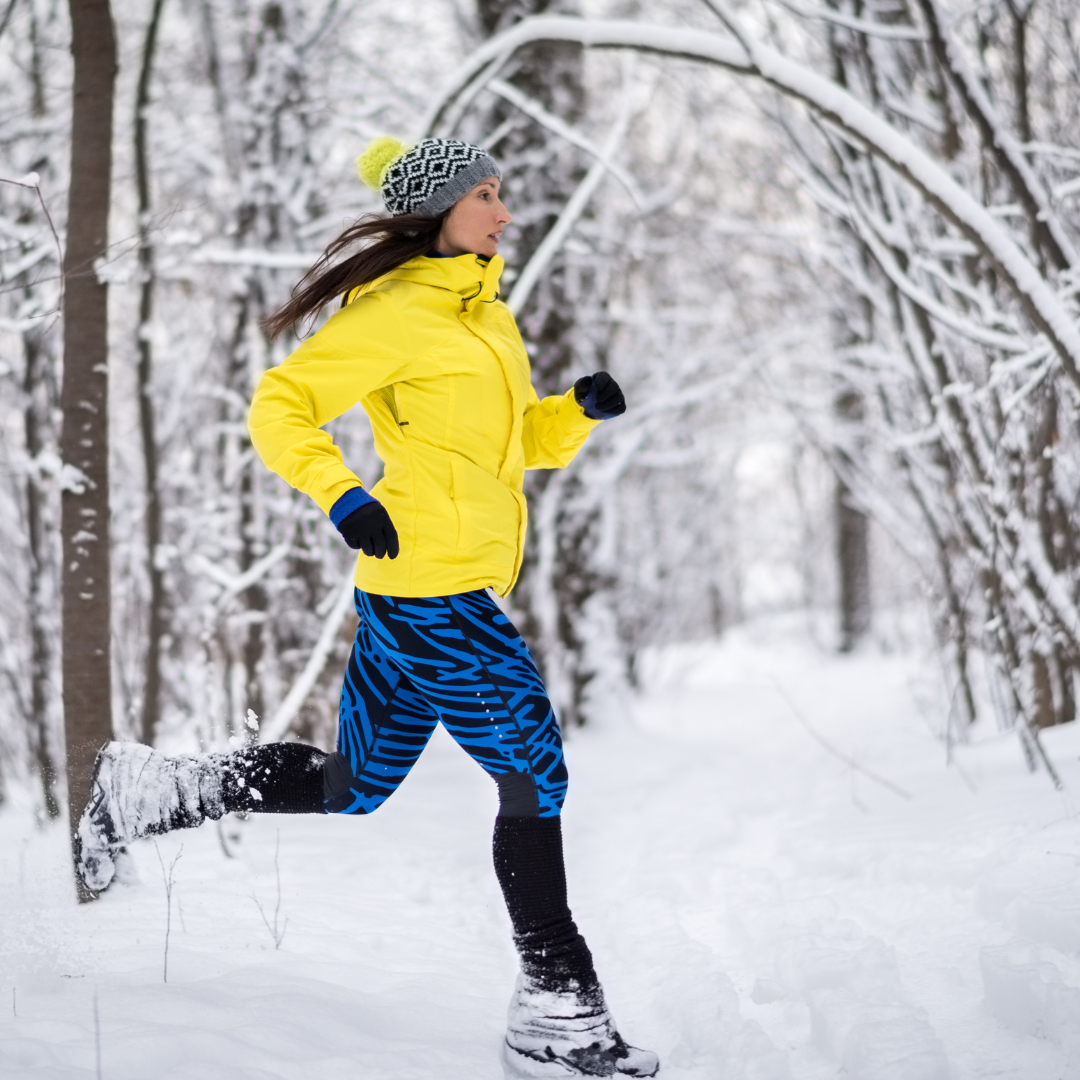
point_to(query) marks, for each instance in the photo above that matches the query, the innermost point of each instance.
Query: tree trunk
(551, 592)
(853, 554)
(84, 400)
(852, 546)
(39, 396)
(156, 616)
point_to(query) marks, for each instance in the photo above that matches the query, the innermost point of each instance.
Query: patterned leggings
(457, 660)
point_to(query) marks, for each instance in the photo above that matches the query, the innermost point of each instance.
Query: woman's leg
(464, 657)
(383, 726)
(528, 856)
(467, 659)
(275, 778)
(138, 791)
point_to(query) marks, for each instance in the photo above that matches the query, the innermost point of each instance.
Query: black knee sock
(276, 778)
(528, 856)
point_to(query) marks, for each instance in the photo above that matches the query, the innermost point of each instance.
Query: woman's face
(475, 223)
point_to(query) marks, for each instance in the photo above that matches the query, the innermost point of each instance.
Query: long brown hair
(396, 240)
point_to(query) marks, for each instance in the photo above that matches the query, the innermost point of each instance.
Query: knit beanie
(426, 179)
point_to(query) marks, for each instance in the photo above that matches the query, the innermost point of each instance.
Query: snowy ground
(758, 909)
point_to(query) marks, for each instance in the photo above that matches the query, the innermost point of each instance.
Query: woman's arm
(554, 430)
(327, 375)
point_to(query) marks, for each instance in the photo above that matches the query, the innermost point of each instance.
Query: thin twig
(7, 15)
(168, 879)
(36, 187)
(277, 876)
(97, 1038)
(862, 26)
(823, 742)
(277, 935)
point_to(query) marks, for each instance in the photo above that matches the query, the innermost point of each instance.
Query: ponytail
(396, 240)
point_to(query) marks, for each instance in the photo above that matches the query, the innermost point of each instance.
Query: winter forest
(809, 612)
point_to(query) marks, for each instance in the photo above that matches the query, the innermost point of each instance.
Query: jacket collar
(473, 279)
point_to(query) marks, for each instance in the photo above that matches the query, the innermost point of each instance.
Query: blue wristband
(352, 500)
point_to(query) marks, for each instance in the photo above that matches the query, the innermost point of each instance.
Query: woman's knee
(521, 795)
(340, 788)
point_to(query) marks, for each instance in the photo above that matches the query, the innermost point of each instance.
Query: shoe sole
(519, 1066)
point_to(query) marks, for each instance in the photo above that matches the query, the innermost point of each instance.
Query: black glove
(370, 530)
(599, 395)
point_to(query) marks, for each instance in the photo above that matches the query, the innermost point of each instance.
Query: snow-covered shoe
(137, 791)
(559, 1034)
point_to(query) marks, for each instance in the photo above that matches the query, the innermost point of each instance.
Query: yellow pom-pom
(381, 153)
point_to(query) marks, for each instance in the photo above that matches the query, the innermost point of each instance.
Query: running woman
(423, 343)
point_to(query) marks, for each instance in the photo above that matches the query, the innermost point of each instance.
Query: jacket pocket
(388, 394)
(487, 512)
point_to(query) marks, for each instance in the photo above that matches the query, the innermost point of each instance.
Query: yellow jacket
(438, 365)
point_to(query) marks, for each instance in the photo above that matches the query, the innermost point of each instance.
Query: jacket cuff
(329, 484)
(350, 501)
(573, 413)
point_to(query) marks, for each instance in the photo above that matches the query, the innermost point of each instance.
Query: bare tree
(576, 251)
(39, 390)
(966, 293)
(541, 173)
(157, 620)
(852, 526)
(272, 122)
(84, 399)
(974, 416)
(35, 145)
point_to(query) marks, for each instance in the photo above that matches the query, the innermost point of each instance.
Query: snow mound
(1029, 995)
(858, 1014)
(746, 1051)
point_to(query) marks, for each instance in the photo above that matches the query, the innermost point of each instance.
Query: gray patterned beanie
(426, 179)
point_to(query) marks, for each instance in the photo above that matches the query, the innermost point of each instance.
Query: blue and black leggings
(459, 661)
(455, 660)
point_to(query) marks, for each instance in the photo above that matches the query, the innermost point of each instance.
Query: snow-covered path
(758, 910)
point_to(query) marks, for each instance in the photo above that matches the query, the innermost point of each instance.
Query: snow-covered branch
(840, 108)
(277, 726)
(573, 210)
(553, 123)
